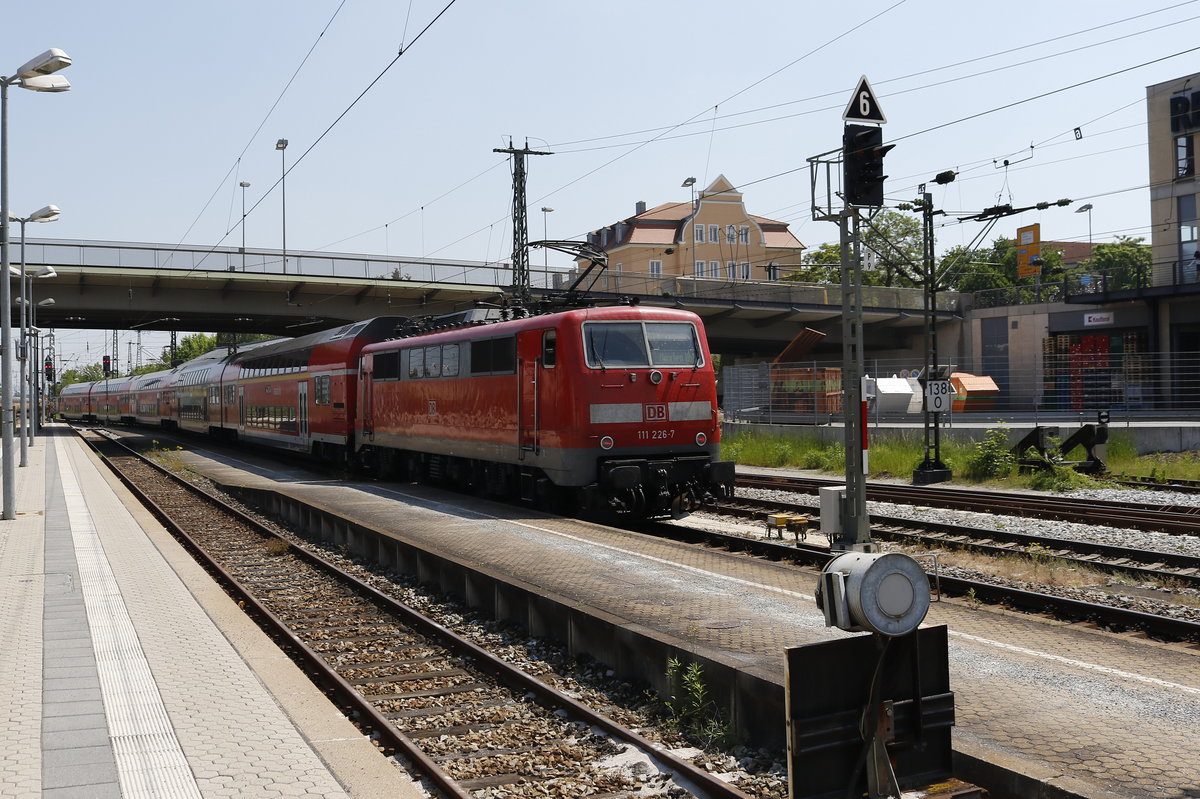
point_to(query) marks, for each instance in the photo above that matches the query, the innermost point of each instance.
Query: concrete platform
(1043, 708)
(125, 671)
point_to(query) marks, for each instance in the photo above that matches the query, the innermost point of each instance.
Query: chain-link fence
(1075, 375)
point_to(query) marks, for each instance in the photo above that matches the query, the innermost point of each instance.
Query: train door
(366, 402)
(302, 410)
(531, 390)
(529, 350)
(241, 400)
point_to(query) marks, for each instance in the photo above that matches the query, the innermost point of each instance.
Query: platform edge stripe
(150, 760)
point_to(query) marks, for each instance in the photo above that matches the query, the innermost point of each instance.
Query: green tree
(1124, 262)
(193, 346)
(993, 267)
(892, 241)
(822, 264)
(895, 241)
(80, 374)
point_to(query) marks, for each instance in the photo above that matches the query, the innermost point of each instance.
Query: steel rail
(1140, 563)
(1171, 519)
(1119, 618)
(314, 664)
(684, 772)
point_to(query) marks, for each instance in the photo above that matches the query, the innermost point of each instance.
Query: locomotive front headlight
(701, 439)
(656, 377)
(606, 442)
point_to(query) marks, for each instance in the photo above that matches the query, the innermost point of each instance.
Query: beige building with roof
(712, 237)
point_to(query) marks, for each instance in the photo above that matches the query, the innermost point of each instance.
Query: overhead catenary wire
(297, 161)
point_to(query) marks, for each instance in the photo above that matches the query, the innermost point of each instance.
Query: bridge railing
(135, 255)
(132, 255)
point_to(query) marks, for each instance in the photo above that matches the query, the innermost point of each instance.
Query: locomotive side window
(494, 356)
(416, 363)
(549, 348)
(615, 344)
(673, 344)
(449, 360)
(433, 361)
(387, 365)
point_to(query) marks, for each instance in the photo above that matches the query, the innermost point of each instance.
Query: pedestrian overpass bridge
(140, 286)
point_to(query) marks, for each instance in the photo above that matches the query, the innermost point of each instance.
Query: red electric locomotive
(617, 405)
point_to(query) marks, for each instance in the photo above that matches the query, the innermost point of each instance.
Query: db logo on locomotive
(656, 413)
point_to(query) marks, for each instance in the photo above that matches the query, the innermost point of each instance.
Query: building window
(731, 270)
(714, 268)
(714, 234)
(619, 268)
(744, 234)
(655, 268)
(772, 271)
(745, 270)
(730, 235)
(1188, 238)
(700, 268)
(1185, 156)
(699, 234)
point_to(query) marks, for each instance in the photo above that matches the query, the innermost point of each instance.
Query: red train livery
(612, 409)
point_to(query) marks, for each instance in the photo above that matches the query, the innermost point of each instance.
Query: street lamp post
(36, 75)
(546, 211)
(281, 146)
(690, 183)
(1087, 207)
(245, 185)
(48, 214)
(35, 373)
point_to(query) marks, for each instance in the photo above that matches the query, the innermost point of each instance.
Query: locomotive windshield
(634, 344)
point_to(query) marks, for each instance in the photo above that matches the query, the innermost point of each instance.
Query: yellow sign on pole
(1029, 250)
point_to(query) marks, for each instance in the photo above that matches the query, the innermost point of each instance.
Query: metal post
(6, 412)
(520, 254)
(856, 527)
(23, 366)
(932, 469)
(245, 185)
(281, 146)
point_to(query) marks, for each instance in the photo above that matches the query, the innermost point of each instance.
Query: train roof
(373, 329)
(500, 327)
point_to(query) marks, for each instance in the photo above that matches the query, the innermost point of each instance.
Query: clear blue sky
(164, 117)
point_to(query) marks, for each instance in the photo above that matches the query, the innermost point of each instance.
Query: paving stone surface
(1118, 713)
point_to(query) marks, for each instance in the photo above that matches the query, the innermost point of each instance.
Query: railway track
(1139, 564)
(1178, 485)
(468, 722)
(1172, 519)
(1062, 607)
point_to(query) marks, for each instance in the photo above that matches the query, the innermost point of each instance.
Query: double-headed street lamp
(48, 214)
(35, 75)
